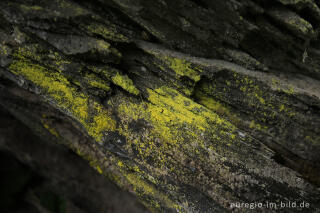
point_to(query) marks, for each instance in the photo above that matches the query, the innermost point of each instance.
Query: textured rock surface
(190, 105)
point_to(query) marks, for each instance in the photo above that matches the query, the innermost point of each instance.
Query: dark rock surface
(56, 179)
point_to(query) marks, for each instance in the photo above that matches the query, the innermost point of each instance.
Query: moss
(58, 89)
(125, 83)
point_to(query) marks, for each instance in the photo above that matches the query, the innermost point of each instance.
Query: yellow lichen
(96, 82)
(99, 169)
(182, 67)
(170, 114)
(76, 10)
(212, 104)
(125, 83)
(102, 45)
(96, 119)
(262, 101)
(120, 164)
(30, 8)
(147, 189)
(50, 129)
(258, 126)
(107, 32)
(4, 50)
(177, 124)
(28, 52)
(57, 88)
(289, 90)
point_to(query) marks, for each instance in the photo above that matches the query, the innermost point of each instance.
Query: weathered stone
(190, 105)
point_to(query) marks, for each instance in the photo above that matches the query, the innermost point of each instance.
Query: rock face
(192, 106)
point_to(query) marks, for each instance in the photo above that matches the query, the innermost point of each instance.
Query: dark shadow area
(43, 177)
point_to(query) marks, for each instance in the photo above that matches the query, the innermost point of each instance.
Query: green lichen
(125, 83)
